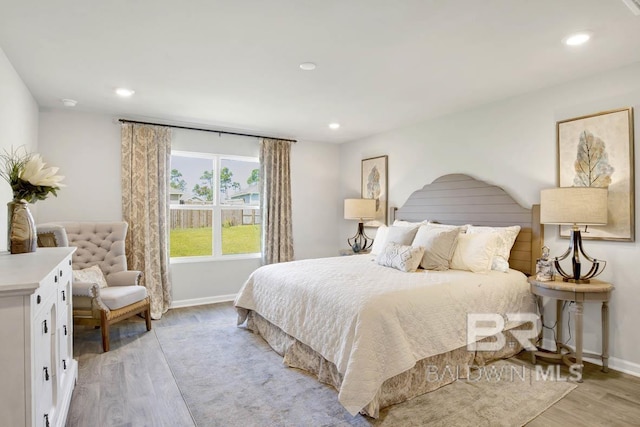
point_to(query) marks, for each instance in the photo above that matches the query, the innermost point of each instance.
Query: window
(214, 204)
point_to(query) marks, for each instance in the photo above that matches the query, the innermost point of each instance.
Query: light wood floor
(133, 386)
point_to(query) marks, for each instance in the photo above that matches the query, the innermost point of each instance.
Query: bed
(381, 336)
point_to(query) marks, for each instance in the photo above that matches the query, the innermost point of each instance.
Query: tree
(225, 180)
(226, 183)
(176, 182)
(255, 177)
(206, 189)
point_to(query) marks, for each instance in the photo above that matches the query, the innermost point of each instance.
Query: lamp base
(360, 241)
(575, 249)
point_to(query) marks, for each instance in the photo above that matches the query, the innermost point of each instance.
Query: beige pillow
(92, 274)
(439, 244)
(400, 234)
(474, 252)
(401, 257)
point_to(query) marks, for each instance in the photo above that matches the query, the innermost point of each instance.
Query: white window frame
(216, 207)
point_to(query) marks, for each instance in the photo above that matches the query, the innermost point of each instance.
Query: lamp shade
(574, 206)
(359, 208)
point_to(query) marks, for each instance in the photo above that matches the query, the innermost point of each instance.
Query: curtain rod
(204, 130)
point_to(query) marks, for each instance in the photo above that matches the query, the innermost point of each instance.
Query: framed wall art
(374, 186)
(597, 151)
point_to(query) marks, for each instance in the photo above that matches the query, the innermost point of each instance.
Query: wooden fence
(191, 218)
(199, 218)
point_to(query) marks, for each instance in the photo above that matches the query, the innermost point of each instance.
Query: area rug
(229, 376)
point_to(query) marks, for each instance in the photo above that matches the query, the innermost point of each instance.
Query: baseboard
(616, 364)
(202, 301)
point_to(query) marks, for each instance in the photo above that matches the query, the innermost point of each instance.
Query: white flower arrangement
(27, 175)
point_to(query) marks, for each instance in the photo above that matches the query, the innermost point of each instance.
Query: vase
(22, 237)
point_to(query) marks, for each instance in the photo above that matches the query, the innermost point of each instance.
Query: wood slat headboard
(460, 199)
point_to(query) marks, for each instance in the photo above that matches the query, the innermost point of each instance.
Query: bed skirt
(427, 375)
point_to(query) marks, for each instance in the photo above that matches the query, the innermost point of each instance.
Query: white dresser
(37, 369)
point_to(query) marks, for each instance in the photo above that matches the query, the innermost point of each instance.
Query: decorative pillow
(92, 274)
(401, 257)
(474, 252)
(439, 244)
(380, 240)
(400, 234)
(51, 236)
(506, 238)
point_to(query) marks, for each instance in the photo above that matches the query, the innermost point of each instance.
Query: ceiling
(234, 64)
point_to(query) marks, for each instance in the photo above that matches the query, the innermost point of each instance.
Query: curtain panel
(275, 201)
(146, 154)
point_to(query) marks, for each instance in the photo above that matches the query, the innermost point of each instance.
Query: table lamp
(575, 206)
(361, 210)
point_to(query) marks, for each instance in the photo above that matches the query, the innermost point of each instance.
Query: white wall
(317, 205)
(86, 147)
(18, 126)
(512, 144)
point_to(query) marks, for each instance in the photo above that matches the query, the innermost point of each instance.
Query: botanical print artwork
(597, 151)
(374, 186)
(592, 162)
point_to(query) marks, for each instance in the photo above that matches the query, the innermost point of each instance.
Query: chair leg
(147, 318)
(104, 328)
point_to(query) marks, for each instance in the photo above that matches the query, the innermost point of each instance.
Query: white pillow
(380, 240)
(439, 244)
(92, 274)
(506, 238)
(401, 257)
(474, 252)
(401, 234)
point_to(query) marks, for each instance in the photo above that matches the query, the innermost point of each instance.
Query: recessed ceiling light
(334, 125)
(69, 102)
(307, 66)
(124, 92)
(577, 39)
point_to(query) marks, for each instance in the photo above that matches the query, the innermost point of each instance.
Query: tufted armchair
(101, 244)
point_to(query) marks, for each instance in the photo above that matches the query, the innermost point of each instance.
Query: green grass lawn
(239, 239)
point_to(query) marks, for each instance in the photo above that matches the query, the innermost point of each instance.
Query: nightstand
(595, 291)
(349, 251)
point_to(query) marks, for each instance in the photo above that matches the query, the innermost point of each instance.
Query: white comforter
(375, 322)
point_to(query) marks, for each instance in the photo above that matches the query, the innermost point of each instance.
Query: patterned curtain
(275, 201)
(146, 153)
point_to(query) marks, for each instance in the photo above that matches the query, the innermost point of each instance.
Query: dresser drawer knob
(38, 299)
(55, 279)
(46, 420)
(64, 297)
(45, 327)
(65, 329)
(60, 273)
(46, 373)
(64, 364)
